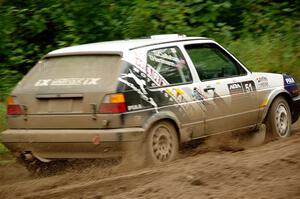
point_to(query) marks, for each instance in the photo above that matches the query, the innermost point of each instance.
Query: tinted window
(212, 63)
(170, 64)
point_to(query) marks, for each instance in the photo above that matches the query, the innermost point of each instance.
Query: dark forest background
(264, 34)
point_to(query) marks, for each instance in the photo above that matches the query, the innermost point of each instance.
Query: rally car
(144, 95)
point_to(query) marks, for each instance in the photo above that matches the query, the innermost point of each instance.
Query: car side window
(170, 64)
(212, 63)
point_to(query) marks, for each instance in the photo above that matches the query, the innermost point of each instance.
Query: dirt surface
(268, 171)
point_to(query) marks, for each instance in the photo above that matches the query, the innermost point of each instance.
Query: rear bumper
(54, 144)
(296, 108)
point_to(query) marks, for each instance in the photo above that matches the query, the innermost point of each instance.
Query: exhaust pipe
(29, 157)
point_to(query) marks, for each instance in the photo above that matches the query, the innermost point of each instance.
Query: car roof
(120, 46)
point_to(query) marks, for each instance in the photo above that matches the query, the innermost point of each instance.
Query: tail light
(12, 107)
(113, 103)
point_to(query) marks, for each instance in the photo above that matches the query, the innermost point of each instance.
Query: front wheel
(162, 143)
(279, 119)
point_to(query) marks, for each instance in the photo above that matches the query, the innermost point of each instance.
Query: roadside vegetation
(2, 116)
(265, 35)
(269, 54)
(5, 156)
(3, 151)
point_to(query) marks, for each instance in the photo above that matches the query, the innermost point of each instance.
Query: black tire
(279, 120)
(161, 143)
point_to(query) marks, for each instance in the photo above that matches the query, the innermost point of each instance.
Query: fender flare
(163, 115)
(273, 95)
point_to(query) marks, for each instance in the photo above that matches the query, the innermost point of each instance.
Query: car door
(228, 89)
(170, 78)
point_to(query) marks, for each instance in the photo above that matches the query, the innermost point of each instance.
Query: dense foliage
(265, 34)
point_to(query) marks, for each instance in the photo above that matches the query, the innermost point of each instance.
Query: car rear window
(74, 72)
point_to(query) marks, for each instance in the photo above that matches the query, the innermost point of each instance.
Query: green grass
(2, 116)
(4, 152)
(6, 157)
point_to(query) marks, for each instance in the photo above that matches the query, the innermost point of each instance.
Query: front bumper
(296, 108)
(61, 144)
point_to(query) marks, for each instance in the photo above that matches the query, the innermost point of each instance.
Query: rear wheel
(279, 119)
(162, 143)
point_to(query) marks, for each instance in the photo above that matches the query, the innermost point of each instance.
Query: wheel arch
(280, 93)
(164, 116)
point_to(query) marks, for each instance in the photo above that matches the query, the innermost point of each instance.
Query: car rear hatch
(65, 92)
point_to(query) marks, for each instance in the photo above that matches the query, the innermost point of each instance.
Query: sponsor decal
(264, 103)
(163, 61)
(235, 88)
(134, 107)
(140, 75)
(139, 62)
(290, 80)
(43, 82)
(177, 94)
(141, 83)
(166, 56)
(241, 87)
(153, 76)
(163, 56)
(67, 82)
(248, 86)
(262, 82)
(138, 85)
(290, 85)
(169, 93)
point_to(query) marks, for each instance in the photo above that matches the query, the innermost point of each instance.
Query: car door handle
(209, 88)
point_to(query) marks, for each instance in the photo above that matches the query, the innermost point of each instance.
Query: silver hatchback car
(104, 99)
